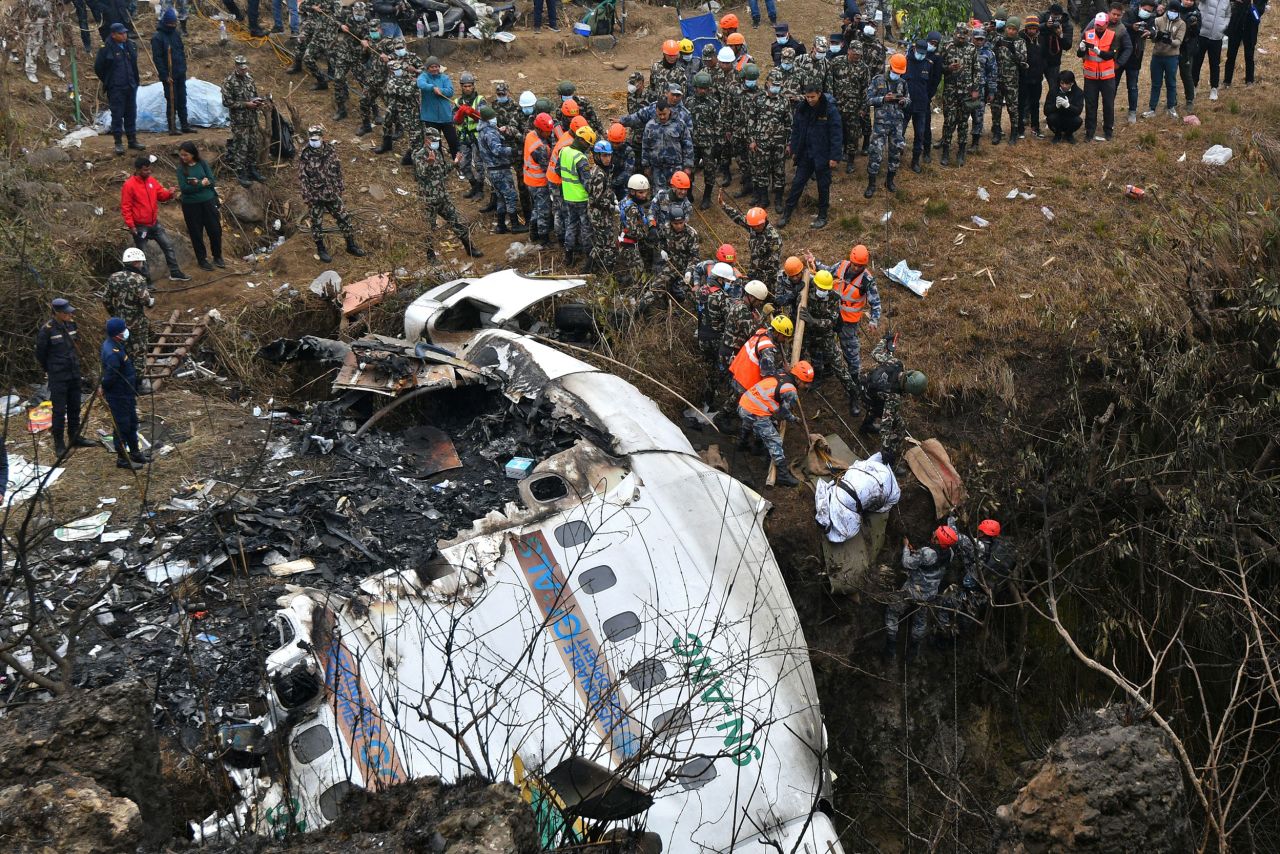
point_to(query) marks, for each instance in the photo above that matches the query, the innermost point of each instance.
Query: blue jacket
(434, 108)
(119, 379)
(922, 80)
(167, 44)
(816, 132)
(117, 65)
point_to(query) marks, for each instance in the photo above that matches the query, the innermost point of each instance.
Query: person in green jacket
(200, 205)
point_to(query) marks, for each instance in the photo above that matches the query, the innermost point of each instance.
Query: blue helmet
(603, 147)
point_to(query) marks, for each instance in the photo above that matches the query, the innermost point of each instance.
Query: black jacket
(117, 65)
(775, 49)
(1245, 15)
(923, 77)
(56, 350)
(1074, 108)
(816, 132)
(167, 45)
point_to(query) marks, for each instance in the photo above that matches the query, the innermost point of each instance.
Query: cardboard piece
(931, 464)
(366, 293)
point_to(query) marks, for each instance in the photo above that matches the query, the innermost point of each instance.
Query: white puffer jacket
(1215, 14)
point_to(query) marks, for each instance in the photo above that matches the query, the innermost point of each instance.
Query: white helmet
(528, 99)
(721, 270)
(726, 54)
(637, 182)
(132, 254)
(756, 288)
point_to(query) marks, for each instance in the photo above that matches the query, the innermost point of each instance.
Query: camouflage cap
(315, 130)
(241, 59)
(634, 77)
(774, 78)
(431, 133)
(500, 86)
(788, 53)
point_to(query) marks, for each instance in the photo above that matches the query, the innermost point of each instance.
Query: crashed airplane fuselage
(621, 645)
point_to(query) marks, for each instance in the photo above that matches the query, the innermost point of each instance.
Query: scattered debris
(88, 528)
(26, 478)
(327, 284)
(983, 194)
(366, 293)
(979, 221)
(908, 278)
(1217, 155)
(1134, 192)
(1048, 213)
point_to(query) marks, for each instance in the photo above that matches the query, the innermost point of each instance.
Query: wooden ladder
(176, 339)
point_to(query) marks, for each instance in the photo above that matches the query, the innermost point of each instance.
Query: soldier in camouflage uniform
(874, 53)
(742, 317)
(710, 304)
(888, 95)
(602, 207)
(811, 67)
(372, 74)
(349, 46)
(769, 128)
(847, 83)
(467, 120)
(960, 72)
(678, 247)
(404, 116)
(764, 241)
(127, 296)
(309, 25)
(629, 271)
(319, 36)
(674, 196)
(821, 320)
(726, 89)
(704, 111)
(638, 97)
(988, 80)
(513, 131)
(668, 146)
(320, 177)
(431, 169)
(665, 72)
(790, 76)
(885, 384)
(1011, 59)
(747, 99)
(240, 97)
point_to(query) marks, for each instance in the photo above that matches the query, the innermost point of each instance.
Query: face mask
(833, 50)
(868, 30)
(503, 99)
(399, 72)
(528, 111)
(918, 55)
(374, 36)
(750, 84)
(435, 146)
(781, 39)
(125, 335)
(400, 51)
(999, 24)
(631, 88)
(893, 75)
(357, 17)
(564, 98)
(314, 143)
(932, 47)
(1173, 14)
(774, 90)
(787, 66)
(493, 123)
(1143, 14)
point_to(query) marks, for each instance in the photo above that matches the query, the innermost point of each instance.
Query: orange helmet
(671, 47)
(680, 180)
(989, 527)
(792, 266)
(569, 108)
(577, 123)
(860, 255)
(617, 133)
(727, 253)
(729, 22)
(945, 536)
(735, 39)
(802, 371)
(756, 216)
(898, 63)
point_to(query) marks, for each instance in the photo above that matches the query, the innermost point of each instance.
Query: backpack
(282, 146)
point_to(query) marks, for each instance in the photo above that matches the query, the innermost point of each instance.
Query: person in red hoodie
(139, 205)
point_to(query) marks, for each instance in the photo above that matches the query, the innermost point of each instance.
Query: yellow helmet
(823, 280)
(586, 134)
(686, 46)
(782, 325)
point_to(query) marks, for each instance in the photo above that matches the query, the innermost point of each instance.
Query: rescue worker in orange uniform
(767, 400)
(537, 156)
(761, 355)
(859, 298)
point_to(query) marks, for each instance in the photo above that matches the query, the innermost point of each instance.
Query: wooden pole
(797, 347)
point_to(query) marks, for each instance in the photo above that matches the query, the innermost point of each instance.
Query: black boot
(848, 164)
(973, 143)
(243, 177)
(915, 161)
(996, 136)
(570, 257)
(785, 218)
(1013, 138)
(59, 447)
(123, 462)
(726, 178)
(470, 247)
(516, 226)
(946, 155)
(386, 145)
(473, 190)
(140, 456)
(785, 477)
(760, 198)
(320, 85)
(256, 175)
(871, 187)
(296, 68)
(960, 155)
(502, 225)
(340, 112)
(928, 154)
(322, 251)
(706, 196)
(747, 189)
(779, 199)
(493, 199)
(407, 159)
(364, 129)
(819, 221)
(173, 129)
(888, 182)
(353, 248)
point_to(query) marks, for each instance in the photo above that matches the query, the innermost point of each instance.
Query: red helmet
(945, 536)
(543, 122)
(727, 253)
(989, 527)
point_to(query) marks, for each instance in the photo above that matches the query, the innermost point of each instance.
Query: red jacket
(139, 199)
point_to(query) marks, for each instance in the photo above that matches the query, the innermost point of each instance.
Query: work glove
(688, 278)
(791, 417)
(1063, 103)
(662, 253)
(805, 316)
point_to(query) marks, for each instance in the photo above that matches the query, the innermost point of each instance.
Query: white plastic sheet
(875, 485)
(204, 107)
(1217, 155)
(25, 478)
(908, 278)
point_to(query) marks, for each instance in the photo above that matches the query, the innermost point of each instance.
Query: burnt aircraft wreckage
(616, 638)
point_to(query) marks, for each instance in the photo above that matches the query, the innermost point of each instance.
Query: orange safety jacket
(745, 366)
(535, 174)
(764, 397)
(1096, 68)
(853, 302)
(553, 168)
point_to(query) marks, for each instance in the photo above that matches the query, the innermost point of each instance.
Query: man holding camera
(1140, 23)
